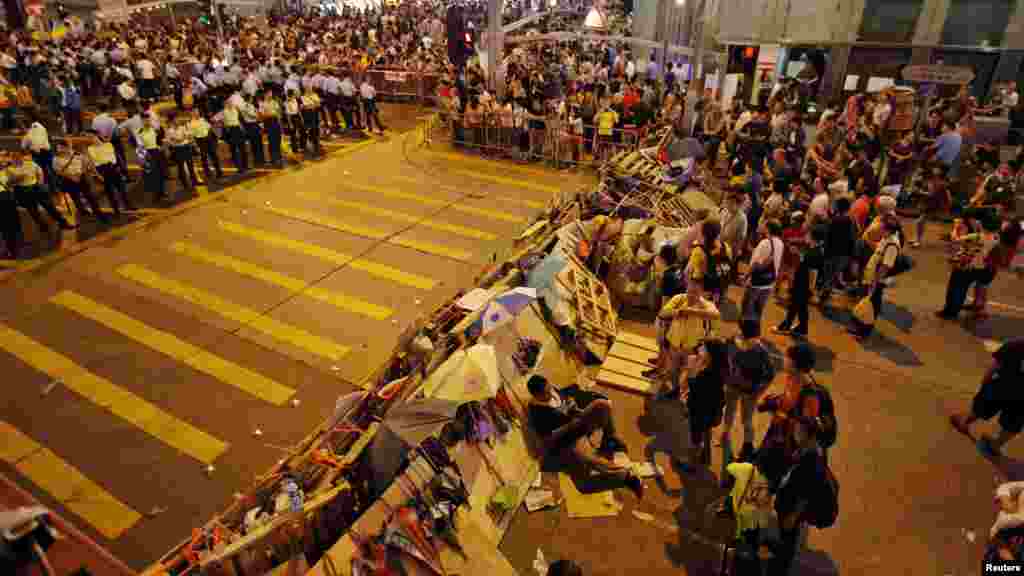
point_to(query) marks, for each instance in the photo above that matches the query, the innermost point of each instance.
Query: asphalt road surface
(141, 356)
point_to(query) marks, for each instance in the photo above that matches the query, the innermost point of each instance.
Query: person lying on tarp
(562, 417)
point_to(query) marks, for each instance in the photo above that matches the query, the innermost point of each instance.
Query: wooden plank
(624, 351)
(624, 383)
(637, 341)
(625, 367)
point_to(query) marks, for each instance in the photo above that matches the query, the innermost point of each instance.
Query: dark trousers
(31, 198)
(798, 308)
(113, 185)
(293, 125)
(122, 160)
(208, 154)
(45, 161)
(311, 122)
(81, 194)
(10, 223)
(272, 126)
(785, 552)
(156, 173)
(72, 120)
(334, 110)
(959, 285)
(255, 139)
(7, 118)
(236, 140)
(372, 115)
(186, 166)
(349, 111)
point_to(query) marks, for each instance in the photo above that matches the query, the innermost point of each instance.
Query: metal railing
(502, 135)
(396, 85)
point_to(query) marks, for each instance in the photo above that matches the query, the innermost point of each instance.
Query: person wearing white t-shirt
(147, 79)
(765, 263)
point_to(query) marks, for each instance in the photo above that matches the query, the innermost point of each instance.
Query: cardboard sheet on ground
(579, 505)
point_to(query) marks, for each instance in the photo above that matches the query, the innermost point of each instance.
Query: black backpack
(827, 413)
(823, 510)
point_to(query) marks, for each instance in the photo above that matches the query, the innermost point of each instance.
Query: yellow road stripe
(68, 485)
(430, 201)
(105, 394)
(278, 330)
(343, 301)
(170, 345)
(401, 217)
(550, 190)
(523, 201)
(464, 159)
(326, 222)
(373, 268)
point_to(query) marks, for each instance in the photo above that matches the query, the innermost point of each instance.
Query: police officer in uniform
(293, 121)
(27, 178)
(251, 124)
(10, 223)
(270, 112)
(235, 137)
(206, 141)
(179, 138)
(311, 119)
(103, 162)
(73, 169)
(155, 162)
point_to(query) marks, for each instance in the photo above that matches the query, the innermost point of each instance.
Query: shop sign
(938, 74)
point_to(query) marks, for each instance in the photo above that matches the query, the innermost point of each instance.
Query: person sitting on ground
(562, 417)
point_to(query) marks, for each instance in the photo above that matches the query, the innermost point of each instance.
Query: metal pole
(220, 28)
(662, 13)
(494, 46)
(170, 8)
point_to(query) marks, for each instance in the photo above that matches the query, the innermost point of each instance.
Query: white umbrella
(467, 375)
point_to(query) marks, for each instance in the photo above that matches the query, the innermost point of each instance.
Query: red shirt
(860, 210)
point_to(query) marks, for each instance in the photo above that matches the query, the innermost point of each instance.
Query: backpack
(824, 508)
(718, 270)
(827, 413)
(750, 379)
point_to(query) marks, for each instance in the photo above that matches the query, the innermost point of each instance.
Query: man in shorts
(999, 394)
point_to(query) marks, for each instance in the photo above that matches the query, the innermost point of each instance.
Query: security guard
(234, 135)
(251, 124)
(206, 141)
(311, 119)
(27, 178)
(270, 112)
(179, 138)
(103, 162)
(349, 104)
(72, 169)
(10, 223)
(155, 175)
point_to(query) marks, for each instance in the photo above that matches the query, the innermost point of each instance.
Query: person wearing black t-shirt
(562, 417)
(812, 258)
(840, 242)
(999, 394)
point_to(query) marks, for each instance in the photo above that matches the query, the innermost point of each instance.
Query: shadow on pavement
(995, 327)
(899, 316)
(891, 350)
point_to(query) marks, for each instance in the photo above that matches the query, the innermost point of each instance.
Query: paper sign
(877, 83)
(851, 83)
(938, 74)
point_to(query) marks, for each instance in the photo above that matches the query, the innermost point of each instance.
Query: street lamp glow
(680, 3)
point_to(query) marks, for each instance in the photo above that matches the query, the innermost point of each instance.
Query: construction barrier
(500, 134)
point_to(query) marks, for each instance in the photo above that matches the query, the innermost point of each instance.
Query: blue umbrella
(502, 309)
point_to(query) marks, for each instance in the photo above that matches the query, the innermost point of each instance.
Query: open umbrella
(503, 308)
(467, 375)
(416, 420)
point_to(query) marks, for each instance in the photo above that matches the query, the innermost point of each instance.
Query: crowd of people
(268, 89)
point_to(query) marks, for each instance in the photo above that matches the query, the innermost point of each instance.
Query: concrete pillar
(495, 41)
(840, 61)
(930, 23)
(1013, 39)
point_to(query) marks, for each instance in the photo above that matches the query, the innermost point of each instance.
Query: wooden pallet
(626, 361)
